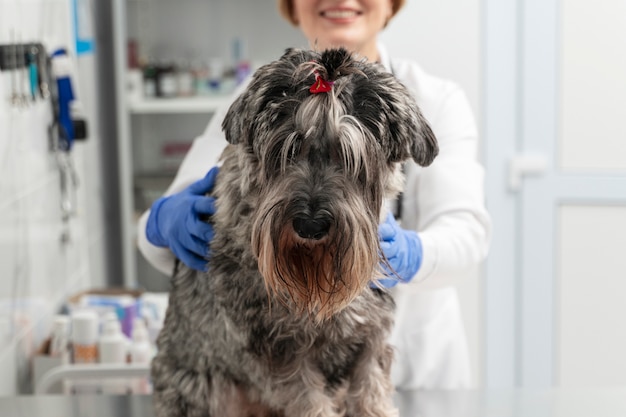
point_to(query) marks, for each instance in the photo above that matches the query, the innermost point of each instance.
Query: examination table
(583, 402)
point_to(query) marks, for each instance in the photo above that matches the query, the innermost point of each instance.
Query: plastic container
(185, 80)
(141, 352)
(60, 339)
(60, 351)
(113, 349)
(85, 336)
(124, 307)
(167, 85)
(150, 79)
(113, 345)
(216, 74)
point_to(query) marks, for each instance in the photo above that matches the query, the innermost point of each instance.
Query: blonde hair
(285, 7)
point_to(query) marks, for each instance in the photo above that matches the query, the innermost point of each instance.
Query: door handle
(523, 165)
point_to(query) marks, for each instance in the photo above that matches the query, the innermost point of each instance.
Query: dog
(286, 322)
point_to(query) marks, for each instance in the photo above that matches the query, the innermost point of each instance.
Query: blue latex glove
(174, 222)
(403, 250)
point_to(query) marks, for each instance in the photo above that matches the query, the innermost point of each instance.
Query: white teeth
(340, 14)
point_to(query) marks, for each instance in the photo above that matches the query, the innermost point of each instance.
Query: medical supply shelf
(139, 184)
(89, 371)
(185, 105)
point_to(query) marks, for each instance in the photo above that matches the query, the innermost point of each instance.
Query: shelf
(96, 371)
(177, 105)
(161, 175)
(147, 187)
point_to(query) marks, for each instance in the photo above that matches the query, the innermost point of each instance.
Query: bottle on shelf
(200, 71)
(60, 340)
(240, 58)
(167, 85)
(60, 347)
(184, 79)
(84, 336)
(141, 352)
(113, 349)
(216, 75)
(150, 79)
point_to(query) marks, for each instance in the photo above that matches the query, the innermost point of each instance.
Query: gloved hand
(174, 222)
(403, 250)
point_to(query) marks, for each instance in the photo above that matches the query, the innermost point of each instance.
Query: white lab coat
(443, 202)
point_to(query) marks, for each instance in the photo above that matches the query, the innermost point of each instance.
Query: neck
(369, 51)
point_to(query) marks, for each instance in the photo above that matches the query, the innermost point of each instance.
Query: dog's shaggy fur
(285, 322)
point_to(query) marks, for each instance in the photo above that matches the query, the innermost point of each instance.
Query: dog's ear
(410, 134)
(387, 108)
(422, 141)
(270, 84)
(235, 123)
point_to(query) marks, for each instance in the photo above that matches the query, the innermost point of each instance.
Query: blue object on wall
(83, 26)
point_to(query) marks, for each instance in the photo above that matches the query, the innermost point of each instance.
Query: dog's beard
(316, 277)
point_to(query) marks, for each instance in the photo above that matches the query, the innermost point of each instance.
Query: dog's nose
(311, 228)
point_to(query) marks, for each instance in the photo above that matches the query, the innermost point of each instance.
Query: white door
(555, 105)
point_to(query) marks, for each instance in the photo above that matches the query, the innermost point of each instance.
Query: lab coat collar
(384, 56)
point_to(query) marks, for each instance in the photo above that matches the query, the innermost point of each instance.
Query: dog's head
(323, 136)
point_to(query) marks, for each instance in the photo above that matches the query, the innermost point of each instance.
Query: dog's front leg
(313, 403)
(304, 394)
(178, 392)
(370, 391)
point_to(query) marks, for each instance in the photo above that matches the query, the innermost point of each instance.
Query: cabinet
(153, 133)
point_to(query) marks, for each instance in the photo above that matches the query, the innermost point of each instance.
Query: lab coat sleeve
(202, 156)
(448, 198)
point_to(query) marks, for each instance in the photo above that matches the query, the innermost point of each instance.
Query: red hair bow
(320, 85)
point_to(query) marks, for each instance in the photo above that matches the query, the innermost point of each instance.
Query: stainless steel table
(596, 402)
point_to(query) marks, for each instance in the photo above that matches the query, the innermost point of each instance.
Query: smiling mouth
(340, 14)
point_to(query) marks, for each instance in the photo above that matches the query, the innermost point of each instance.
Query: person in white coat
(443, 231)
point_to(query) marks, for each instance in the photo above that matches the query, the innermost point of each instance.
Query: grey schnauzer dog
(286, 323)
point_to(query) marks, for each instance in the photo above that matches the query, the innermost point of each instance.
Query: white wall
(444, 36)
(590, 345)
(590, 262)
(37, 270)
(556, 91)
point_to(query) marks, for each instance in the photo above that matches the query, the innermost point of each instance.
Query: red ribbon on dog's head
(321, 85)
